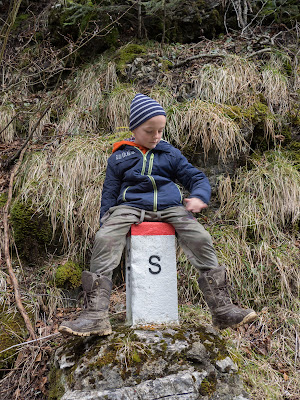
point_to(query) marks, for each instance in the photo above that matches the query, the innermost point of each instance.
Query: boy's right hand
(194, 204)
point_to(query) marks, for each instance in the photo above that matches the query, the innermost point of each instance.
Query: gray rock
(226, 365)
(182, 386)
(197, 352)
(178, 363)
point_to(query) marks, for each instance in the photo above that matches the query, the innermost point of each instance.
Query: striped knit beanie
(143, 108)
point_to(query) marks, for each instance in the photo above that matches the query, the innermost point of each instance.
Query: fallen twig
(201, 55)
(266, 50)
(30, 341)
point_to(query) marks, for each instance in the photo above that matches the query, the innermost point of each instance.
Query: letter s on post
(155, 264)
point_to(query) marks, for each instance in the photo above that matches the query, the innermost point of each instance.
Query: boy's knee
(206, 237)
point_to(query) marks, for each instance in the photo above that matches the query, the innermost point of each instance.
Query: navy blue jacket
(147, 181)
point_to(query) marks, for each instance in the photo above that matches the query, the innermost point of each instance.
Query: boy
(139, 185)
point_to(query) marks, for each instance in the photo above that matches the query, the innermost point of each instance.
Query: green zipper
(150, 164)
(124, 193)
(155, 193)
(179, 192)
(149, 175)
(144, 161)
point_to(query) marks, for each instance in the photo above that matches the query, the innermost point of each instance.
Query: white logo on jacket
(124, 154)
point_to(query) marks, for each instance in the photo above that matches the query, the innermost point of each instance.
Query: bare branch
(201, 55)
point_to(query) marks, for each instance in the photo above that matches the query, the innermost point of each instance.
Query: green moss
(292, 152)
(135, 357)
(127, 54)
(107, 359)
(68, 275)
(165, 65)
(3, 199)
(208, 386)
(257, 114)
(32, 231)
(56, 388)
(12, 331)
(179, 335)
(20, 19)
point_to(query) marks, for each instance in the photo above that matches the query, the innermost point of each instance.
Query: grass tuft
(116, 106)
(265, 199)
(198, 122)
(66, 184)
(7, 112)
(235, 82)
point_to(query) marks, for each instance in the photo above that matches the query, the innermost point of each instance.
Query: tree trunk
(139, 19)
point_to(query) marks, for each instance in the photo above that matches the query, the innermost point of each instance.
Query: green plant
(68, 275)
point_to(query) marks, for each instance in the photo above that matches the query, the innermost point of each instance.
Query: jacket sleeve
(111, 189)
(194, 180)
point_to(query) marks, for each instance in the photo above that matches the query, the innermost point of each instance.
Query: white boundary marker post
(151, 275)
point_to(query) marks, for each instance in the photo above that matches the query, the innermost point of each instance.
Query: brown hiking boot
(224, 313)
(93, 320)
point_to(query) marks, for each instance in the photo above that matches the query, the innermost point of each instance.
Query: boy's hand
(194, 204)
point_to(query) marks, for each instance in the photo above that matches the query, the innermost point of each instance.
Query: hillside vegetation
(69, 70)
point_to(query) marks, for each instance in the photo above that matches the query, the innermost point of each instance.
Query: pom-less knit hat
(143, 108)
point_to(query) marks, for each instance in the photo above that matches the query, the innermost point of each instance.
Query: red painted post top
(152, 228)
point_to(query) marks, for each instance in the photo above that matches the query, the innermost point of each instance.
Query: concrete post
(151, 274)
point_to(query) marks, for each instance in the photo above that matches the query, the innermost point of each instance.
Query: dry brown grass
(275, 89)
(117, 106)
(187, 274)
(111, 78)
(7, 112)
(266, 198)
(198, 122)
(261, 273)
(235, 82)
(65, 184)
(163, 95)
(84, 112)
(275, 84)
(40, 128)
(268, 354)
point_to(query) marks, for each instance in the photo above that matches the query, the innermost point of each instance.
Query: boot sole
(247, 319)
(69, 332)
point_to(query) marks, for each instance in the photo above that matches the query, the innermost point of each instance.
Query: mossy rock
(68, 275)
(56, 389)
(127, 54)
(32, 231)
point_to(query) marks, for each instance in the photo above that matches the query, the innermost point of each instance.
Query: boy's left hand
(194, 204)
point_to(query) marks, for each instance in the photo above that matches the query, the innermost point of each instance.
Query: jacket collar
(163, 145)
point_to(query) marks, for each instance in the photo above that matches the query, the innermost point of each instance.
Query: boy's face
(150, 132)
